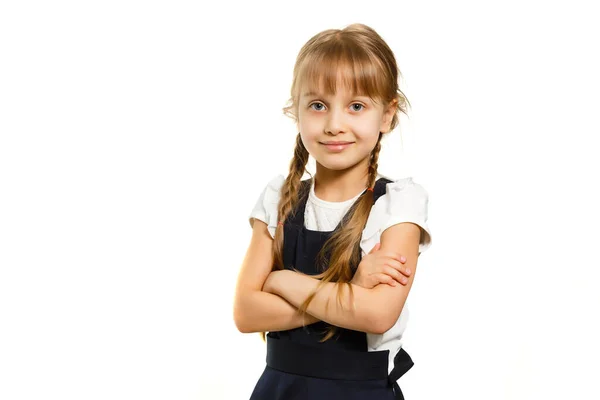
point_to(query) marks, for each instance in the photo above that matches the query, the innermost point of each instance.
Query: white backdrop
(135, 138)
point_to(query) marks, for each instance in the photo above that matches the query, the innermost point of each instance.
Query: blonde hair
(367, 66)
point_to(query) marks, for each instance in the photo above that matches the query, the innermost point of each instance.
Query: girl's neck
(338, 186)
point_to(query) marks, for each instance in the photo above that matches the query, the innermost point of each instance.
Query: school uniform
(352, 365)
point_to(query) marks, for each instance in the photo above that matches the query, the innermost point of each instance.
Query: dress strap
(296, 217)
(379, 189)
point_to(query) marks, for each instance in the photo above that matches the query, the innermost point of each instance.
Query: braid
(373, 162)
(289, 196)
(287, 202)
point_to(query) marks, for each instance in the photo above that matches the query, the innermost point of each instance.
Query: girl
(332, 258)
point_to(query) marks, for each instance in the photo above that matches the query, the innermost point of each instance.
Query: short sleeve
(265, 208)
(403, 201)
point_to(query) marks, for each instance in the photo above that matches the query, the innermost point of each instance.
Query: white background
(137, 136)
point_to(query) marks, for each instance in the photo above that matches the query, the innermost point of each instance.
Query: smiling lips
(336, 147)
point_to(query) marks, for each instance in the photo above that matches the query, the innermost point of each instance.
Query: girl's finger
(393, 273)
(396, 256)
(383, 278)
(398, 266)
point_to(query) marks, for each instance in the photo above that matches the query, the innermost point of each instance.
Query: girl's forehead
(311, 91)
(333, 85)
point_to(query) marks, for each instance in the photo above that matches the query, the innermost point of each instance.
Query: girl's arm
(255, 310)
(264, 312)
(373, 310)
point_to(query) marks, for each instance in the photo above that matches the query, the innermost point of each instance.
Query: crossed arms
(268, 301)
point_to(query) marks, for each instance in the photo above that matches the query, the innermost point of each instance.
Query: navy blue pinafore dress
(299, 367)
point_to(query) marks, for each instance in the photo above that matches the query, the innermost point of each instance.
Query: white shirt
(403, 201)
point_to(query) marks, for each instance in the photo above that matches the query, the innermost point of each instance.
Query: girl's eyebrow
(311, 94)
(307, 94)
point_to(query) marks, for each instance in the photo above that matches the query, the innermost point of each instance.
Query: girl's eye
(315, 104)
(354, 106)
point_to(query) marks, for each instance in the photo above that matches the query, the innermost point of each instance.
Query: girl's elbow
(244, 328)
(243, 324)
(384, 325)
(371, 323)
(379, 322)
(240, 318)
(384, 315)
(239, 322)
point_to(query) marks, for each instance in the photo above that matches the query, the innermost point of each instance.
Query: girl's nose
(335, 121)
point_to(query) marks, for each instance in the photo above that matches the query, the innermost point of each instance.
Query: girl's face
(345, 117)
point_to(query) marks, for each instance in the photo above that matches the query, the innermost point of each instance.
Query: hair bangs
(351, 68)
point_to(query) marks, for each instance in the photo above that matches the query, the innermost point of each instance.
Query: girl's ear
(387, 116)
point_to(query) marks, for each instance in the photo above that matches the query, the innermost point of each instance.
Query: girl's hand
(381, 267)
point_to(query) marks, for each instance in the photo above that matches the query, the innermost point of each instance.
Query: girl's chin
(335, 165)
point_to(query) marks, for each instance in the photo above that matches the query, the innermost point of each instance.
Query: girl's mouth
(336, 148)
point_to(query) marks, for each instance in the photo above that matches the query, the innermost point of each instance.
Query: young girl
(332, 258)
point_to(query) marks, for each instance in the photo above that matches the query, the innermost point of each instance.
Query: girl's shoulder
(403, 200)
(265, 207)
(402, 190)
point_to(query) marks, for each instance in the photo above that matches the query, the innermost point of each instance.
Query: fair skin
(268, 301)
(341, 117)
